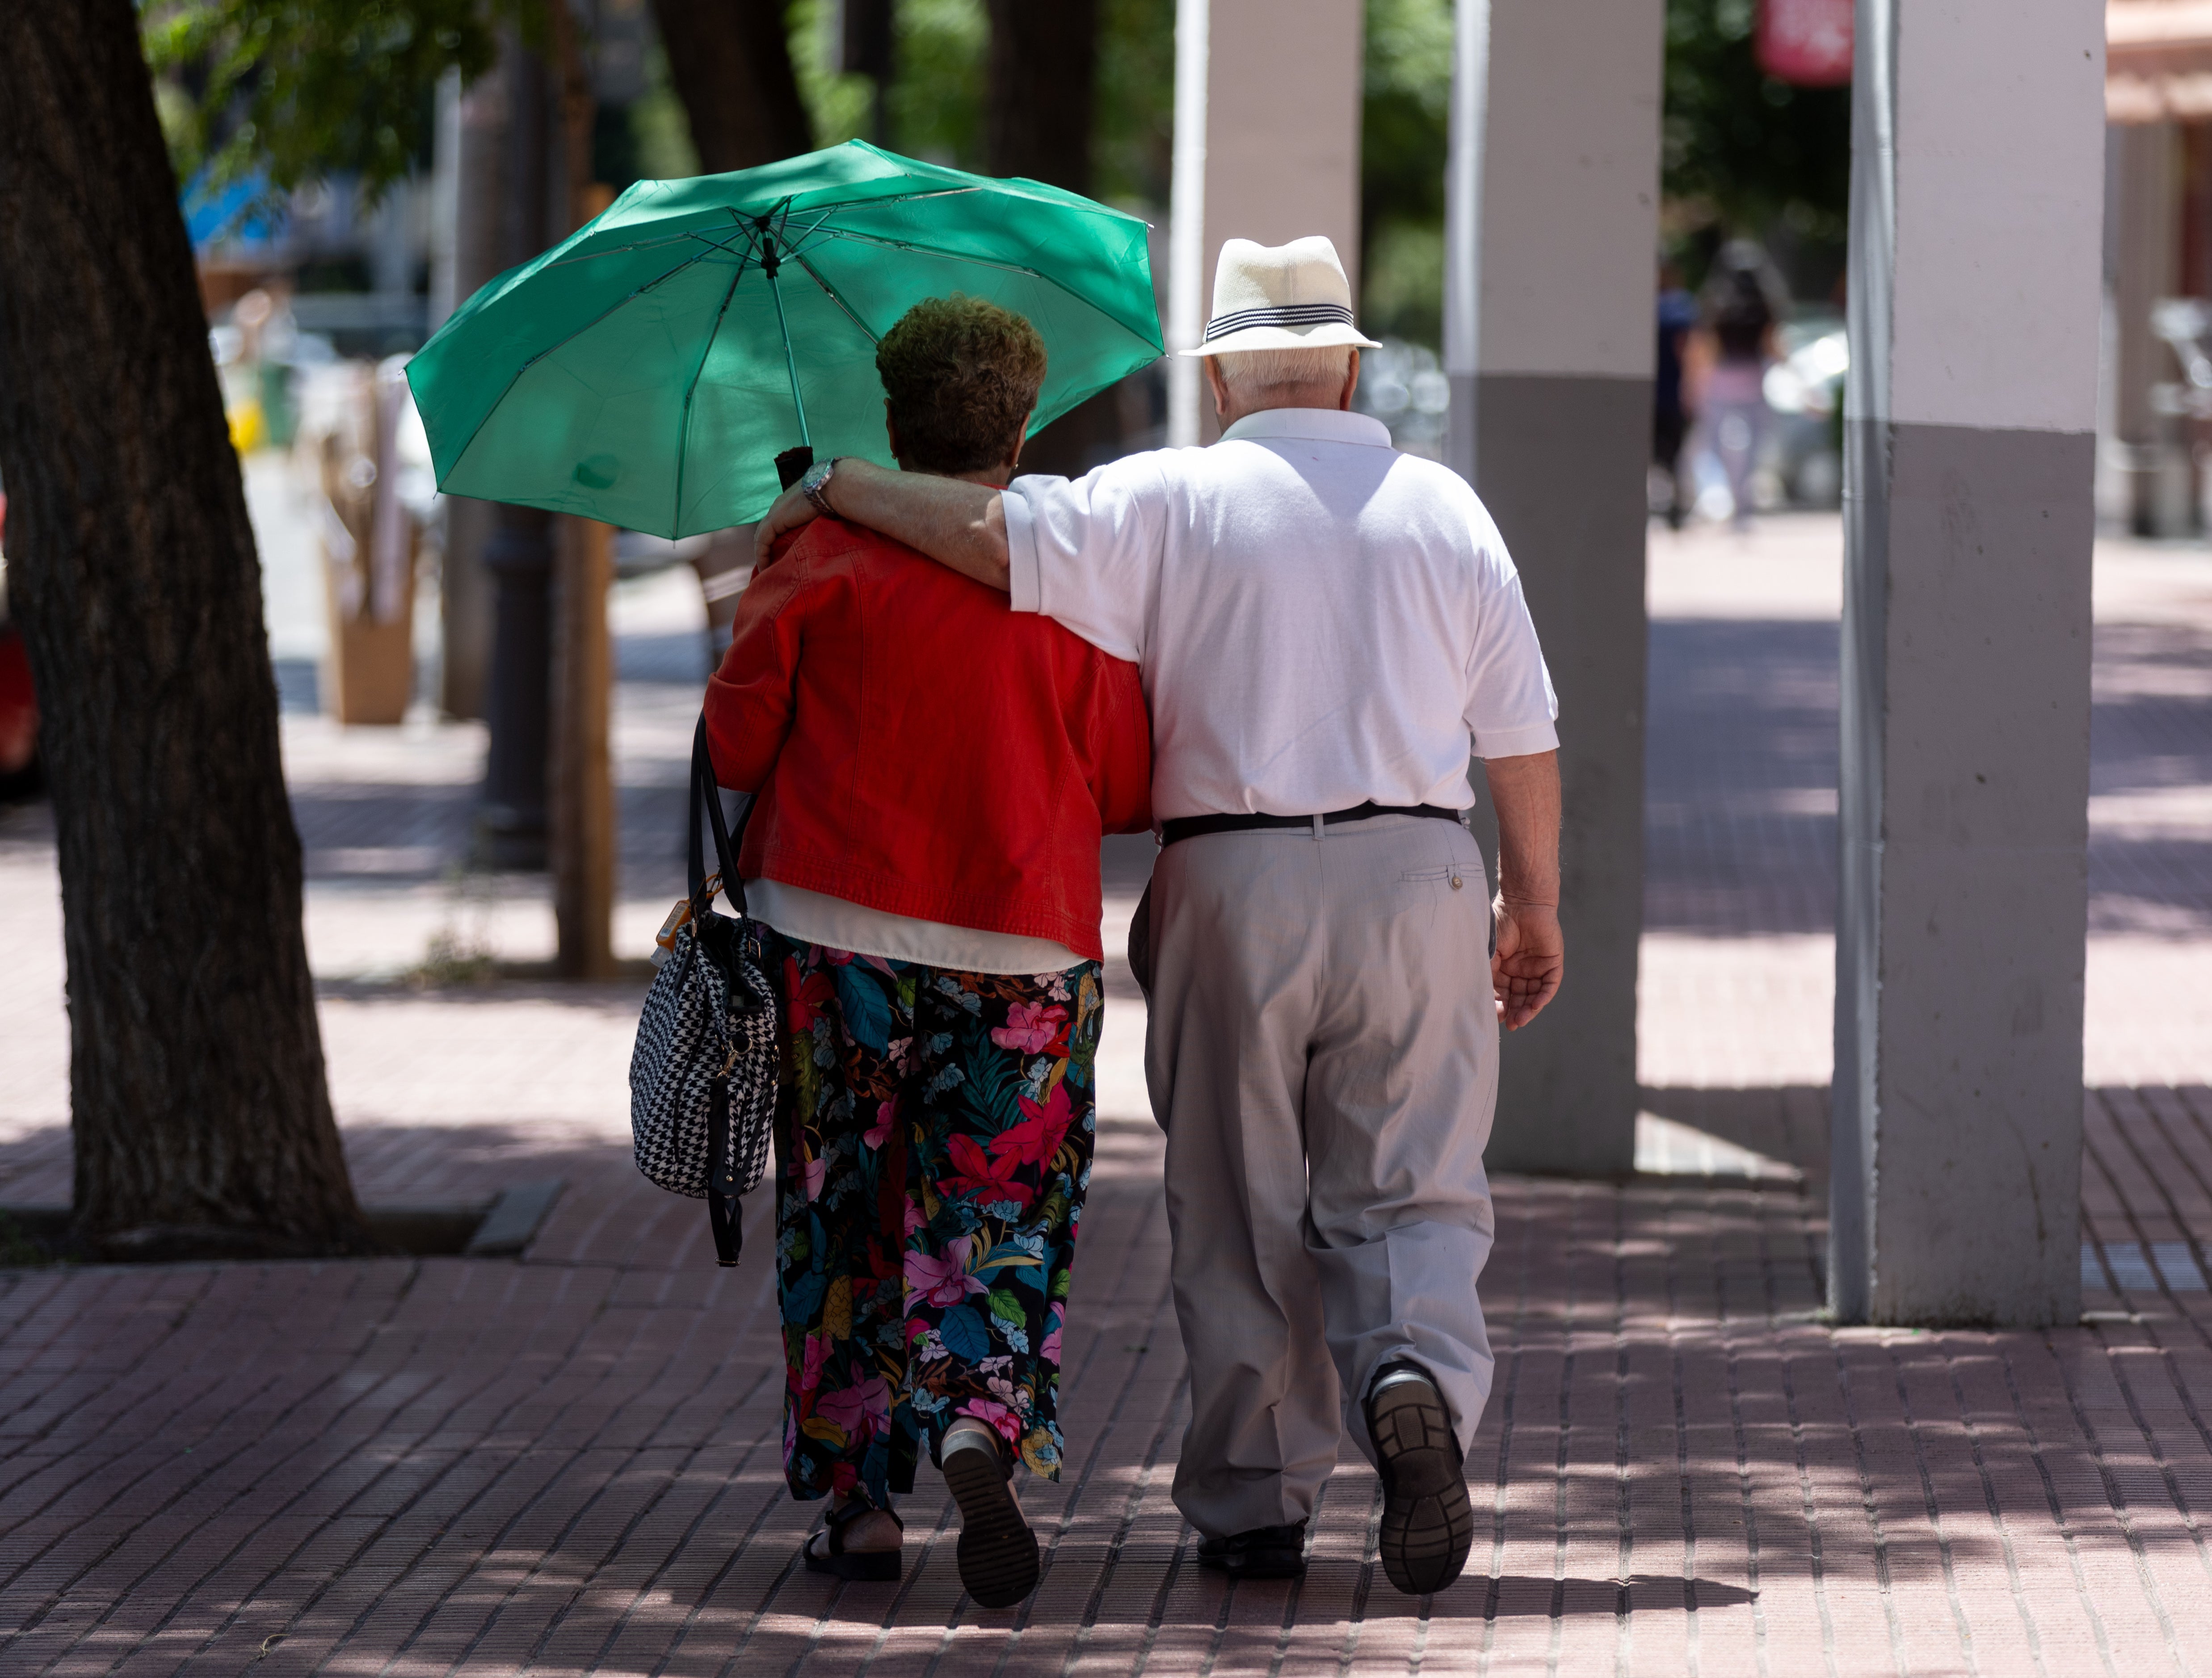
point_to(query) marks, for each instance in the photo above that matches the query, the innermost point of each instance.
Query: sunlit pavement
(568, 1462)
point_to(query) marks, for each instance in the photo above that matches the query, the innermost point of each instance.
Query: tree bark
(730, 63)
(201, 1118)
(1041, 94)
(581, 808)
(1041, 86)
(518, 557)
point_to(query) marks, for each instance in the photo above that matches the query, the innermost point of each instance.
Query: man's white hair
(1253, 375)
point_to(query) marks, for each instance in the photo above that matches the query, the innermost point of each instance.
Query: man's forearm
(1525, 791)
(959, 524)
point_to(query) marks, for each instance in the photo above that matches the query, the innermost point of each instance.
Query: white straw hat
(1289, 296)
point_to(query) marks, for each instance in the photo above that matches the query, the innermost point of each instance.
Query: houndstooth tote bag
(703, 1078)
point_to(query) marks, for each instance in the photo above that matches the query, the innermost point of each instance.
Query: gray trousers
(1322, 1052)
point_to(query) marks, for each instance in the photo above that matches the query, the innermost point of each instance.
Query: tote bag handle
(706, 791)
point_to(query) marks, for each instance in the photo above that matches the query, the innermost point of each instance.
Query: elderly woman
(933, 773)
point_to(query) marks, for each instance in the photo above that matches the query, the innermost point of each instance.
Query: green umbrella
(647, 371)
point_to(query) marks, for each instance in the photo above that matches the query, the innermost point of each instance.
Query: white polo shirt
(1320, 621)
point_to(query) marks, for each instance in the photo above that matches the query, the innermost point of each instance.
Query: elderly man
(1322, 625)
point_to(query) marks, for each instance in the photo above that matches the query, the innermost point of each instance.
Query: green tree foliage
(302, 88)
(936, 96)
(1742, 152)
(938, 88)
(1404, 132)
(1134, 147)
(1405, 119)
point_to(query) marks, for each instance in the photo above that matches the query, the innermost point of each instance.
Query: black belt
(1190, 826)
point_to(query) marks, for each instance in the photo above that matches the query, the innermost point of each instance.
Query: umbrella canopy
(646, 370)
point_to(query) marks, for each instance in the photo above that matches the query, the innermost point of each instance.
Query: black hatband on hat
(1279, 314)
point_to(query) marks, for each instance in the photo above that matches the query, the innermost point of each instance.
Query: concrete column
(1266, 147)
(1551, 234)
(1978, 140)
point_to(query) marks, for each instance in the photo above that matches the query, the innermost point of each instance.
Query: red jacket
(920, 748)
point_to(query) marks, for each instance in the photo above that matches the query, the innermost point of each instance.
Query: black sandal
(873, 1566)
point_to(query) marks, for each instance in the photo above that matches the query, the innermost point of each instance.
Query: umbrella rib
(621, 302)
(1006, 187)
(932, 251)
(983, 262)
(891, 198)
(690, 389)
(689, 235)
(515, 378)
(837, 298)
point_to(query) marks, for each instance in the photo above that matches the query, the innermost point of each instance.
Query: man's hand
(1531, 952)
(1531, 956)
(792, 510)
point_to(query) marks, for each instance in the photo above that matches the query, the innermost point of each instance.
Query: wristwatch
(818, 480)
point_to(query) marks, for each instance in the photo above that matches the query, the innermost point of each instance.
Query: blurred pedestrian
(933, 773)
(1671, 414)
(1744, 303)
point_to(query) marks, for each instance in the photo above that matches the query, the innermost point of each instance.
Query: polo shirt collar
(1323, 424)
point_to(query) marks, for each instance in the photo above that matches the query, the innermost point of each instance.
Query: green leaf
(306, 88)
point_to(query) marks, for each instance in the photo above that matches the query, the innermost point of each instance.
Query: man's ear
(1215, 384)
(891, 433)
(1351, 383)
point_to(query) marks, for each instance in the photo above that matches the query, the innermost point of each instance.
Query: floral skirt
(933, 1141)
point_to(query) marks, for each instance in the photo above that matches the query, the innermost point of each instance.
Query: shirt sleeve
(1087, 552)
(1510, 706)
(749, 699)
(1121, 749)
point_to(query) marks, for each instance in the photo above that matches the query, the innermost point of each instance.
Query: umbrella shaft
(790, 360)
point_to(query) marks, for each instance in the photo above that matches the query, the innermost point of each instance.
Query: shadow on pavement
(1514, 1595)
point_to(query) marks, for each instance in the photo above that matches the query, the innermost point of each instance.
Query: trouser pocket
(1141, 943)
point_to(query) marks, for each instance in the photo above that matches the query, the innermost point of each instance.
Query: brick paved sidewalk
(568, 1462)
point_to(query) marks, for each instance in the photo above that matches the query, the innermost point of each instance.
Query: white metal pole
(1187, 224)
(1463, 227)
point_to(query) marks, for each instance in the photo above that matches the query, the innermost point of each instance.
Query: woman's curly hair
(961, 375)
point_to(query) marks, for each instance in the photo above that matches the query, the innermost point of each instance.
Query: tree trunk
(519, 556)
(1042, 89)
(200, 1115)
(580, 810)
(730, 63)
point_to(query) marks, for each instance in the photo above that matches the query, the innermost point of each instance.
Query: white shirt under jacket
(1320, 621)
